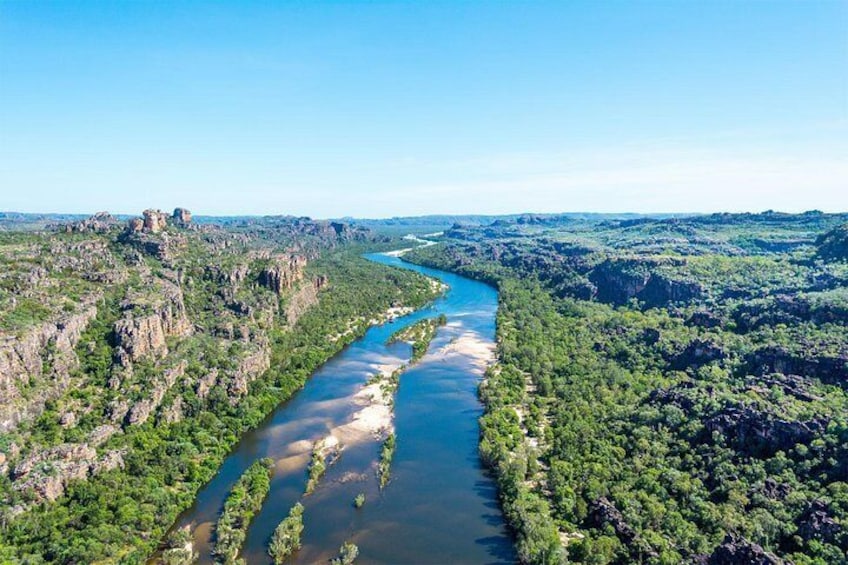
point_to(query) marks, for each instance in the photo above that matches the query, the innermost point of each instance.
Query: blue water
(439, 507)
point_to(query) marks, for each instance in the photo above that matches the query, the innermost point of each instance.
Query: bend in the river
(439, 507)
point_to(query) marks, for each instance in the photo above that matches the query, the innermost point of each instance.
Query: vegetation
(359, 501)
(348, 553)
(286, 538)
(121, 513)
(419, 334)
(667, 390)
(386, 454)
(323, 455)
(243, 502)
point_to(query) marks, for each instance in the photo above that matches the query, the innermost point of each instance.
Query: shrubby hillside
(668, 390)
(133, 354)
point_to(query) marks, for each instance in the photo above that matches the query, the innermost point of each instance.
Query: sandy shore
(480, 352)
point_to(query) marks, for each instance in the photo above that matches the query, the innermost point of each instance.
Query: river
(439, 506)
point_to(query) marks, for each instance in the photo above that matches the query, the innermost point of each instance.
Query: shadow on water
(439, 507)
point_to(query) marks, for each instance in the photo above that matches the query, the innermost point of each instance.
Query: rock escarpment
(282, 272)
(46, 473)
(305, 297)
(147, 322)
(45, 356)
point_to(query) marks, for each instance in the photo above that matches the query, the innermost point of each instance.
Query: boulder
(181, 217)
(735, 550)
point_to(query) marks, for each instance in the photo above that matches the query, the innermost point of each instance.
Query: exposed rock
(154, 220)
(101, 222)
(117, 410)
(817, 523)
(704, 319)
(233, 276)
(181, 217)
(305, 297)
(282, 272)
(135, 225)
(47, 472)
(172, 413)
(250, 367)
(603, 512)
(101, 434)
(617, 281)
(794, 385)
(737, 550)
(833, 245)
(140, 412)
(760, 434)
(778, 359)
(110, 460)
(699, 352)
(680, 395)
(206, 382)
(22, 363)
(776, 491)
(68, 420)
(137, 337)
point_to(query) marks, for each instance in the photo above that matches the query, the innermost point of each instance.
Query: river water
(439, 506)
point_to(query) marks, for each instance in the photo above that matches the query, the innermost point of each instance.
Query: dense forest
(134, 355)
(668, 390)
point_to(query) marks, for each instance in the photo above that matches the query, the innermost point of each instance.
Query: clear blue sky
(399, 108)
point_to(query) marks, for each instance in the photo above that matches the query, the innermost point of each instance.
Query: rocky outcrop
(141, 411)
(833, 245)
(735, 550)
(617, 281)
(704, 319)
(230, 276)
(101, 434)
(154, 221)
(698, 352)
(829, 369)
(305, 297)
(101, 222)
(282, 272)
(206, 382)
(148, 234)
(817, 523)
(41, 360)
(181, 217)
(760, 434)
(139, 336)
(46, 473)
(251, 366)
(602, 512)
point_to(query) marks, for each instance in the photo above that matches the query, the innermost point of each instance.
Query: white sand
(479, 351)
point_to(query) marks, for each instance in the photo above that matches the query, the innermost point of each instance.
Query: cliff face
(305, 297)
(617, 281)
(282, 272)
(139, 335)
(105, 330)
(42, 356)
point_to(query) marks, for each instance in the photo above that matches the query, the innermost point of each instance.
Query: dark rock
(778, 359)
(817, 523)
(704, 319)
(699, 352)
(774, 490)
(761, 435)
(603, 512)
(735, 550)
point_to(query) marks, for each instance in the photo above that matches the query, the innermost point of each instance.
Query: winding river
(439, 506)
